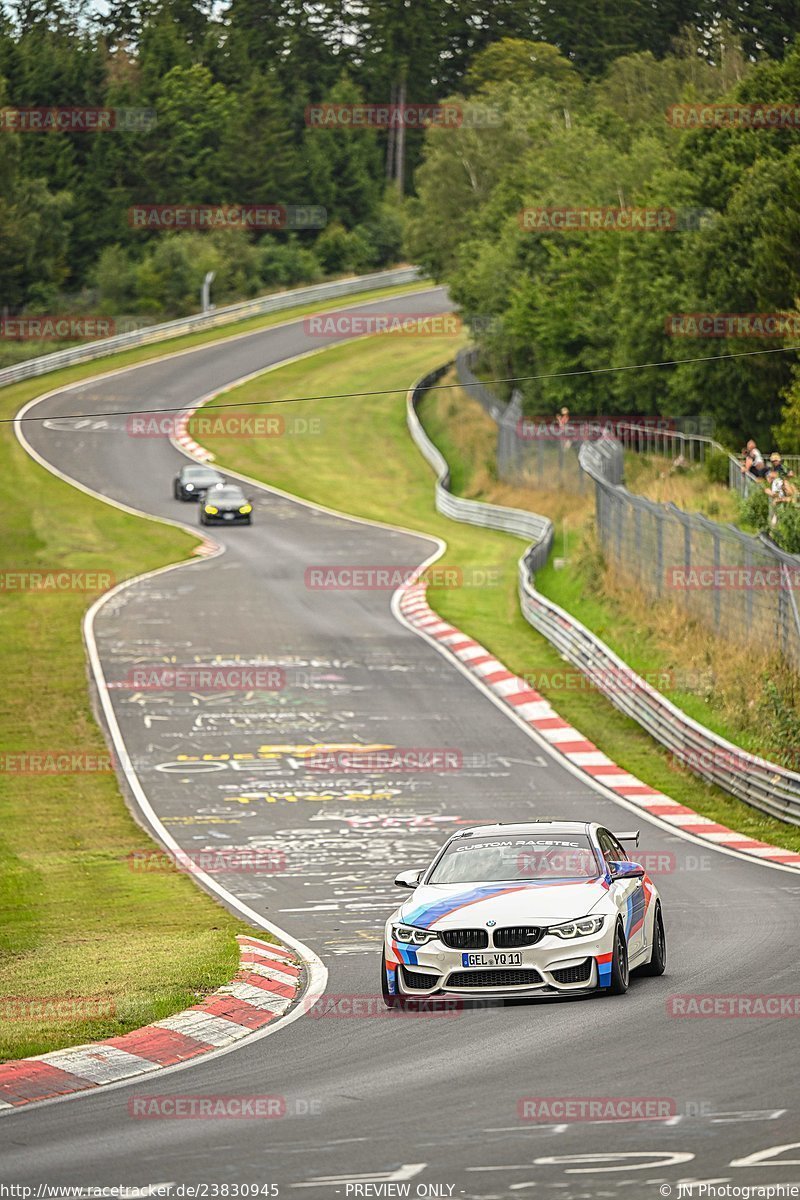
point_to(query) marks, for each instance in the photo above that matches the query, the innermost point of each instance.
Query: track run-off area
(372, 1100)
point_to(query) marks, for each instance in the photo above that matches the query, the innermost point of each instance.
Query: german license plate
(510, 959)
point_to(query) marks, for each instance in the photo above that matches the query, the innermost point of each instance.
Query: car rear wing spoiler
(628, 837)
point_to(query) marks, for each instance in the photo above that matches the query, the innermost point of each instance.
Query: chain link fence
(767, 786)
(535, 453)
(740, 586)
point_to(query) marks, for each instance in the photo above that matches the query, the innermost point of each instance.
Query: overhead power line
(436, 387)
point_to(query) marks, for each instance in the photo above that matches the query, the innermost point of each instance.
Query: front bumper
(227, 518)
(552, 966)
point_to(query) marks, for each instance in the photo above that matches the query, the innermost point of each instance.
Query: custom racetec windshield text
(495, 859)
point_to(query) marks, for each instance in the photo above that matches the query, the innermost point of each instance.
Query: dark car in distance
(226, 504)
(192, 482)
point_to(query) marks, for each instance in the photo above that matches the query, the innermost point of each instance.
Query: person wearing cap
(776, 463)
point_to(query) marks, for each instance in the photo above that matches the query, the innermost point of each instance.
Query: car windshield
(200, 475)
(517, 858)
(226, 493)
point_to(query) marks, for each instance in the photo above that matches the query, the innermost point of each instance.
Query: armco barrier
(514, 454)
(539, 530)
(766, 786)
(209, 320)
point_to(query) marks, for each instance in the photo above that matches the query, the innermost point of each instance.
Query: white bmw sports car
(524, 910)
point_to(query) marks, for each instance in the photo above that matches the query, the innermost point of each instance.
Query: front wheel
(658, 959)
(620, 971)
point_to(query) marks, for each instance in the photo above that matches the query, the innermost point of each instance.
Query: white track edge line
(396, 597)
(562, 760)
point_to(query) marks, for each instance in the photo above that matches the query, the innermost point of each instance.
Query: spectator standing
(776, 463)
(753, 461)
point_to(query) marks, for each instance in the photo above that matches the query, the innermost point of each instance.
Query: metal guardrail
(553, 460)
(662, 549)
(764, 785)
(275, 302)
(539, 530)
(767, 786)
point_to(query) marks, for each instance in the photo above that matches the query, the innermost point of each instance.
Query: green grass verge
(88, 947)
(365, 463)
(78, 923)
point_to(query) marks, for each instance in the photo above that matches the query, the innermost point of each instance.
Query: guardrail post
(717, 590)
(637, 527)
(748, 592)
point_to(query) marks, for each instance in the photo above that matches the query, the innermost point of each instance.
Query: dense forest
(574, 98)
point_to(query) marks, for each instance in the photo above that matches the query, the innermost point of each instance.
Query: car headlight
(583, 927)
(210, 509)
(246, 508)
(189, 487)
(417, 937)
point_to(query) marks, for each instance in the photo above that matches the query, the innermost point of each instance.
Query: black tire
(175, 490)
(620, 971)
(658, 959)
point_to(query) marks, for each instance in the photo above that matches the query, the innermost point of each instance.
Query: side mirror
(408, 879)
(626, 870)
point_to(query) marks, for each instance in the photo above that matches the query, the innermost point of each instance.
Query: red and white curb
(563, 738)
(182, 438)
(264, 987)
(185, 442)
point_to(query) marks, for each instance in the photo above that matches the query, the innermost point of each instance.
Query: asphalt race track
(429, 1100)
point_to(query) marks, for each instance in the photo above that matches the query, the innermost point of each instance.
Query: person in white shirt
(753, 461)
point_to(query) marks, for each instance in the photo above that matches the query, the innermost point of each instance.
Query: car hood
(460, 906)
